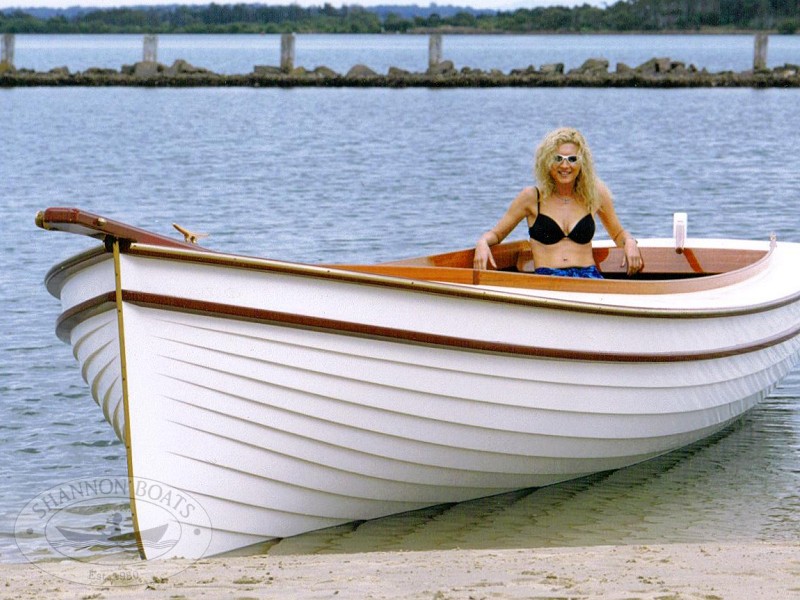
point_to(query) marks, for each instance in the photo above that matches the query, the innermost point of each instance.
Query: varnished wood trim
(658, 260)
(216, 309)
(75, 220)
(545, 282)
(507, 255)
(430, 280)
(691, 258)
(731, 265)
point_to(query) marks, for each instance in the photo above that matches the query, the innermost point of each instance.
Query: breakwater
(655, 73)
(594, 72)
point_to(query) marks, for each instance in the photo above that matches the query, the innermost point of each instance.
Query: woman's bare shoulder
(602, 189)
(526, 201)
(529, 195)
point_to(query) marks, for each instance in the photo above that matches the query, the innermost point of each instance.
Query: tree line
(621, 16)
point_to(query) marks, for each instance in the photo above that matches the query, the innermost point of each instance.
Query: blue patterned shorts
(586, 272)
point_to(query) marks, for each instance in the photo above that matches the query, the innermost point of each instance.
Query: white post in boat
(150, 49)
(287, 52)
(760, 52)
(434, 50)
(679, 227)
(7, 57)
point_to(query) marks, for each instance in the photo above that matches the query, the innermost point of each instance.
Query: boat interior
(659, 262)
(667, 269)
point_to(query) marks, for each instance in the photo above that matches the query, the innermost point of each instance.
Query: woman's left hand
(633, 257)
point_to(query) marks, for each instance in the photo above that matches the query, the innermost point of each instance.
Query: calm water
(232, 54)
(361, 175)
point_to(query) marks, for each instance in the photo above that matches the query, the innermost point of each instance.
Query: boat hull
(285, 398)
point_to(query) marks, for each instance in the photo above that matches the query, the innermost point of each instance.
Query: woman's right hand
(483, 256)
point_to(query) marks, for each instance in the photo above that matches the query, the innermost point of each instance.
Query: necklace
(564, 199)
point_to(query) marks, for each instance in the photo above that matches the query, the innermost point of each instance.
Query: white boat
(284, 398)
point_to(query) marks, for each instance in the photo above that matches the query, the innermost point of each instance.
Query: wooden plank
(74, 220)
(517, 256)
(505, 255)
(662, 265)
(421, 272)
(740, 266)
(692, 261)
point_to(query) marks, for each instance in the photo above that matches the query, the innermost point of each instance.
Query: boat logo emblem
(90, 521)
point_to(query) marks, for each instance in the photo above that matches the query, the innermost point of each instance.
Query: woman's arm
(520, 207)
(620, 236)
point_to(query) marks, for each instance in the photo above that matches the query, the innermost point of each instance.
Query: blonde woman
(561, 211)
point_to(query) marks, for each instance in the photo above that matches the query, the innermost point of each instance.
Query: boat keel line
(119, 304)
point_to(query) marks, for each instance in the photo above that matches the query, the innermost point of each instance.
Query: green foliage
(788, 26)
(623, 16)
(396, 24)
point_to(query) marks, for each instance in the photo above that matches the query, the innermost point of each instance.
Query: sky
(496, 4)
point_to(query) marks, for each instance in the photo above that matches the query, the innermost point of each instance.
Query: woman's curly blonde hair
(586, 183)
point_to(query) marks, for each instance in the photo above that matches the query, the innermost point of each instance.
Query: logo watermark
(89, 521)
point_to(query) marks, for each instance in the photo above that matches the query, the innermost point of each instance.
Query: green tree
(394, 22)
(463, 19)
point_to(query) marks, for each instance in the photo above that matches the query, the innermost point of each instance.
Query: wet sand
(709, 571)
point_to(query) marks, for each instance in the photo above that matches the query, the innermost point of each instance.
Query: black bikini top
(546, 231)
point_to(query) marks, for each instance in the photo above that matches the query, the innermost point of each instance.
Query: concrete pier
(660, 72)
(7, 54)
(287, 52)
(760, 52)
(150, 49)
(434, 50)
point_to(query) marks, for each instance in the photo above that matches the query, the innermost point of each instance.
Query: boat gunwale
(462, 290)
(56, 275)
(440, 273)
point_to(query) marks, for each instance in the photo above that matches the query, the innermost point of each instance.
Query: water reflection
(740, 484)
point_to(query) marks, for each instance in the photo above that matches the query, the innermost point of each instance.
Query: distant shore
(713, 571)
(655, 73)
(709, 31)
(465, 31)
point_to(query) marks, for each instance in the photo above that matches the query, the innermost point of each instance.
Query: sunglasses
(572, 158)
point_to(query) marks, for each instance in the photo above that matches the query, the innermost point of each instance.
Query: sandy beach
(665, 572)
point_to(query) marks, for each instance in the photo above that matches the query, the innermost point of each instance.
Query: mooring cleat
(189, 236)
